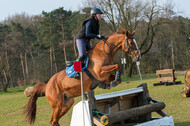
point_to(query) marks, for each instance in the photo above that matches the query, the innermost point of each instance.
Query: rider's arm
(89, 30)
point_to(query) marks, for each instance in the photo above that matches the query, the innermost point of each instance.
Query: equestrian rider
(89, 30)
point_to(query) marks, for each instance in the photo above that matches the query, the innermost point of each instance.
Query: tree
(5, 74)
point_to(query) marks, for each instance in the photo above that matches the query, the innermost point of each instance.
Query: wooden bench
(164, 80)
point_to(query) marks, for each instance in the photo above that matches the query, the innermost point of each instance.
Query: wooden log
(134, 112)
(97, 122)
(163, 114)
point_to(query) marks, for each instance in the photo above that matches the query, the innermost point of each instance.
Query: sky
(35, 7)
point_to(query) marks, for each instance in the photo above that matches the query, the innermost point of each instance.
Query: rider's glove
(100, 37)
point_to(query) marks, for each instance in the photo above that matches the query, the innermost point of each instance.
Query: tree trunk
(26, 67)
(8, 69)
(22, 64)
(129, 66)
(54, 61)
(64, 44)
(5, 86)
(74, 46)
(51, 62)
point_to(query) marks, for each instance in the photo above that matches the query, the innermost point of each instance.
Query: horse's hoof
(113, 84)
(118, 81)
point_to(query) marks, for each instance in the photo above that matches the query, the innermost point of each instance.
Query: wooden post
(160, 76)
(173, 75)
(142, 100)
(92, 105)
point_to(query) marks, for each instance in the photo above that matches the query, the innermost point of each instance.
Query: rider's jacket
(89, 30)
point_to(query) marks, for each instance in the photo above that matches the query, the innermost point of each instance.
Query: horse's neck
(114, 43)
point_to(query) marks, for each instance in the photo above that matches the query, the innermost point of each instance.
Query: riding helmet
(96, 11)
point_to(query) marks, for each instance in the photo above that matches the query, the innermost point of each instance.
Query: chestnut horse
(61, 90)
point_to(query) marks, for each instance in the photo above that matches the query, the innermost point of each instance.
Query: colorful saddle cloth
(70, 70)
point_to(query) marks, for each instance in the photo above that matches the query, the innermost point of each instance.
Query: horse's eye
(131, 43)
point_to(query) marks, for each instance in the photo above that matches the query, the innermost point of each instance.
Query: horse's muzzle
(135, 57)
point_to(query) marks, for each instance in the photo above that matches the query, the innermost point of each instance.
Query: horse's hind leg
(60, 108)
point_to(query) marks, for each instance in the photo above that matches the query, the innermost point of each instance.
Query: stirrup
(77, 76)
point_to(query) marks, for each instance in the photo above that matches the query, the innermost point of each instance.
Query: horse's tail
(30, 107)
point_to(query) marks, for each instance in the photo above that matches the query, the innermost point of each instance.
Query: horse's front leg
(107, 70)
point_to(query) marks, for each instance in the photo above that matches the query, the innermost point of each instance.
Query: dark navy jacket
(89, 30)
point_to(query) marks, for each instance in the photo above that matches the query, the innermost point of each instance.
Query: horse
(61, 89)
(186, 90)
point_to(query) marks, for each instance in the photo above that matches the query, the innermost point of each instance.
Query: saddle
(70, 67)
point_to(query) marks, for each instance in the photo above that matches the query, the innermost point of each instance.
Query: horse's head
(129, 45)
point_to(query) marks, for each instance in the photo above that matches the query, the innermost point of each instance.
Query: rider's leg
(81, 46)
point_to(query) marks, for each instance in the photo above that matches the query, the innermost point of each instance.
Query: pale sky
(35, 7)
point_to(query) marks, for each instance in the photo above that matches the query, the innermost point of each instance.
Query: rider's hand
(101, 37)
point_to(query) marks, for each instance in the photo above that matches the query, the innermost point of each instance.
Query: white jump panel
(77, 115)
(163, 121)
(119, 93)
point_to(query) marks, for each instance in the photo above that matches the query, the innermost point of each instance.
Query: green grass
(11, 103)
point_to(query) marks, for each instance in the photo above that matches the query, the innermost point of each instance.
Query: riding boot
(77, 74)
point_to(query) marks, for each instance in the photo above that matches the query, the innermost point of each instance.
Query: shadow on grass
(182, 124)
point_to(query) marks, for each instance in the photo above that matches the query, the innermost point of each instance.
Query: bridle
(126, 42)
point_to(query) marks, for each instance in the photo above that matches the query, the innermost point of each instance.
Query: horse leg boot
(117, 78)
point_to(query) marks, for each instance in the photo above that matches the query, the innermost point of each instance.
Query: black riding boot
(77, 74)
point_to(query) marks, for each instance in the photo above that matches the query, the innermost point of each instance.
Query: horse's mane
(123, 32)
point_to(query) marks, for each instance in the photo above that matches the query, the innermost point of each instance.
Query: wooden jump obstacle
(122, 108)
(164, 80)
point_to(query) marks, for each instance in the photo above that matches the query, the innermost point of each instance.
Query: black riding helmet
(96, 11)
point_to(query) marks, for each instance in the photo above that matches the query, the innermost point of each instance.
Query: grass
(12, 102)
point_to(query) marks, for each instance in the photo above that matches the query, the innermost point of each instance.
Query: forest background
(33, 48)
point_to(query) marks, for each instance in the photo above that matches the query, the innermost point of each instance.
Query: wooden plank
(119, 93)
(165, 71)
(165, 79)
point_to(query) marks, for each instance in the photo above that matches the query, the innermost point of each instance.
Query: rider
(89, 30)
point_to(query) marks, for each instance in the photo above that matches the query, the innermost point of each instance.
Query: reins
(126, 39)
(107, 43)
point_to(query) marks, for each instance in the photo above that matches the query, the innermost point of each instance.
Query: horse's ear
(128, 33)
(123, 31)
(133, 33)
(117, 31)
